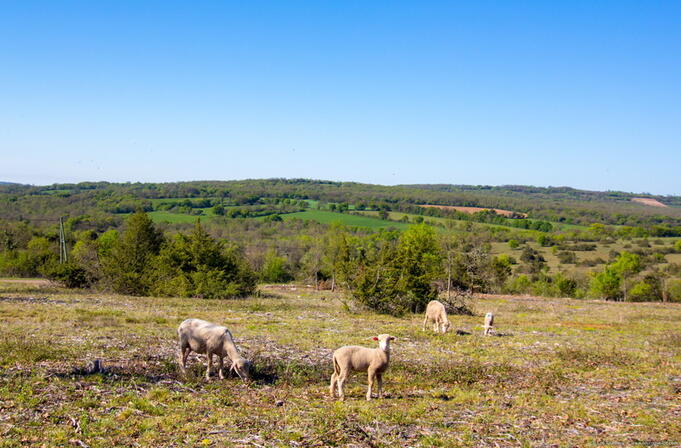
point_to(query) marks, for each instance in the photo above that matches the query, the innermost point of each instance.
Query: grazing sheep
(205, 337)
(489, 323)
(436, 313)
(372, 360)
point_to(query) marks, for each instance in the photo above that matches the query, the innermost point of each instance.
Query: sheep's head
(242, 368)
(384, 341)
(445, 327)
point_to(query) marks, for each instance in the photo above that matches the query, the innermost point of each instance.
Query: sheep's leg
(340, 380)
(180, 359)
(183, 358)
(210, 365)
(425, 322)
(334, 379)
(435, 327)
(220, 362)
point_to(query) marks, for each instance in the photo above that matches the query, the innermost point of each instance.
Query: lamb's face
(445, 327)
(384, 340)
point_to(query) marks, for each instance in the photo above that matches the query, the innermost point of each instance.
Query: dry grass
(561, 373)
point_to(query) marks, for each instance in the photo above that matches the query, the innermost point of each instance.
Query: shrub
(68, 274)
(393, 274)
(605, 284)
(519, 285)
(128, 263)
(196, 265)
(275, 269)
(674, 290)
(642, 292)
(565, 257)
(567, 287)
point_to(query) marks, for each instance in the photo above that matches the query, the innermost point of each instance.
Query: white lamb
(374, 361)
(489, 323)
(436, 313)
(205, 337)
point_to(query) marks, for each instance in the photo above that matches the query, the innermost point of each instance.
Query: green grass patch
(327, 217)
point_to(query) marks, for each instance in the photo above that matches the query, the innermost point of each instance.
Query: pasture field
(560, 372)
(163, 216)
(327, 217)
(601, 252)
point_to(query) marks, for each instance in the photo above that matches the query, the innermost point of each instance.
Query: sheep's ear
(375, 338)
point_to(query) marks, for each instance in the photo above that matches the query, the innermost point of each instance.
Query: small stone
(279, 403)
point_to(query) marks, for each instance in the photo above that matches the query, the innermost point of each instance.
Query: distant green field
(160, 216)
(326, 217)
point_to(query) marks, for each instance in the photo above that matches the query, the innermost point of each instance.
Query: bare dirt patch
(649, 201)
(471, 210)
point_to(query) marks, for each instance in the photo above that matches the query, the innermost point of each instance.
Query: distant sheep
(489, 323)
(210, 339)
(436, 313)
(374, 361)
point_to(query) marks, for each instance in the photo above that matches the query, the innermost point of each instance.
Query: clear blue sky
(578, 93)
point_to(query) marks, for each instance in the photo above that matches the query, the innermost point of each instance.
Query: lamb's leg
(371, 375)
(435, 327)
(220, 362)
(210, 365)
(425, 322)
(379, 380)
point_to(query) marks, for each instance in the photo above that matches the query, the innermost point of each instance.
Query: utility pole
(63, 253)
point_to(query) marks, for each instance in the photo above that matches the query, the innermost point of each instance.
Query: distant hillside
(258, 197)
(560, 193)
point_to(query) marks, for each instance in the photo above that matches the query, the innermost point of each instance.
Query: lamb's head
(384, 341)
(241, 367)
(445, 327)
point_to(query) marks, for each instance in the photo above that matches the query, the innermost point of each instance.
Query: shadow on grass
(292, 372)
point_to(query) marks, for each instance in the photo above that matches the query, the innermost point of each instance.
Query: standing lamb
(436, 313)
(489, 323)
(205, 337)
(374, 361)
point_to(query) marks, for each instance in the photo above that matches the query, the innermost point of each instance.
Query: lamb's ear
(375, 338)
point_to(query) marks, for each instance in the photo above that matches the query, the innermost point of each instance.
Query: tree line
(387, 271)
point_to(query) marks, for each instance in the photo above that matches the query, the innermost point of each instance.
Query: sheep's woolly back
(206, 337)
(436, 312)
(356, 357)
